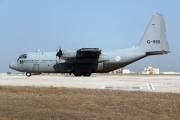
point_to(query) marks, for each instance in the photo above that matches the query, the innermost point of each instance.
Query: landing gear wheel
(77, 74)
(87, 74)
(28, 74)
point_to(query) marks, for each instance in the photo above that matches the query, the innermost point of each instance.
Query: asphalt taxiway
(152, 83)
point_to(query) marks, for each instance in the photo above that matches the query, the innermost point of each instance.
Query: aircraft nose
(13, 65)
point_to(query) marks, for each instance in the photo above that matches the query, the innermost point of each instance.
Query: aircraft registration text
(153, 41)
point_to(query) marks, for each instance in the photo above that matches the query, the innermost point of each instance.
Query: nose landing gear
(28, 74)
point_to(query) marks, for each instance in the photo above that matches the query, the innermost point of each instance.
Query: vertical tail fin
(154, 40)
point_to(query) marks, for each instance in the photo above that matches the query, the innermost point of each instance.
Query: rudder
(154, 40)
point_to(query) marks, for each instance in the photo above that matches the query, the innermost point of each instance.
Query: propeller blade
(59, 53)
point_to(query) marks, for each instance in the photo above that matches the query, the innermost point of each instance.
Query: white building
(3, 74)
(151, 70)
(125, 71)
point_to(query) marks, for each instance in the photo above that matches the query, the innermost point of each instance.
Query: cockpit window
(23, 56)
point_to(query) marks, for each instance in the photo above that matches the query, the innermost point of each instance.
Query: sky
(29, 25)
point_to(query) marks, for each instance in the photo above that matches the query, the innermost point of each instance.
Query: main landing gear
(84, 74)
(28, 74)
(87, 74)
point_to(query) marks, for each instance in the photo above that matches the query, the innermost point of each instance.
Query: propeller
(59, 53)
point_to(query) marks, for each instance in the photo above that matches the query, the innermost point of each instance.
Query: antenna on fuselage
(37, 50)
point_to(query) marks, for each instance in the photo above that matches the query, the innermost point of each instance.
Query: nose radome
(13, 65)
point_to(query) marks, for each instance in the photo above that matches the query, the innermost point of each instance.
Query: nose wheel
(28, 74)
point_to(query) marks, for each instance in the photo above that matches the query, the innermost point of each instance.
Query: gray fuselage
(38, 62)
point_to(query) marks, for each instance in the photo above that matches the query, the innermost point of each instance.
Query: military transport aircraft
(92, 60)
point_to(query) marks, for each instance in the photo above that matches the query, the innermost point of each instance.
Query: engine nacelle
(68, 54)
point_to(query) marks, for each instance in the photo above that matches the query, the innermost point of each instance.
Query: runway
(151, 83)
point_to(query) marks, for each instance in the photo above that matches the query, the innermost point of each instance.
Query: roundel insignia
(117, 58)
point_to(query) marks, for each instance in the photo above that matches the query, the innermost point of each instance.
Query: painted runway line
(150, 86)
(123, 87)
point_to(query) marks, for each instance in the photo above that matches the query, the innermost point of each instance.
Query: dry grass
(65, 103)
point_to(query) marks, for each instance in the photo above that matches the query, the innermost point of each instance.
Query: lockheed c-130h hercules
(92, 60)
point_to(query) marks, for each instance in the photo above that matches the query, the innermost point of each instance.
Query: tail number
(153, 41)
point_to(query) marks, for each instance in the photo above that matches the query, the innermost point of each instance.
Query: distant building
(151, 70)
(3, 74)
(115, 71)
(170, 73)
(125, 71)
(8, 73)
